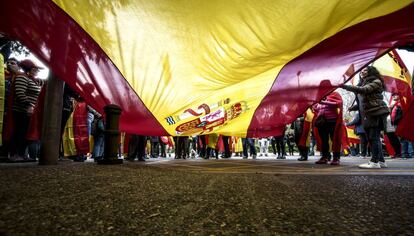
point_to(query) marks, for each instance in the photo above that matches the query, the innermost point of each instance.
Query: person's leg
(411, 149)
(252, 147)
(324, 134)
(97, 152)
(374, 140)
(132, 148)
(282, 146)
(141, 144)
(364, 144)
(303, 152)
(34, 150)
(331, 130)
(273, 143)
(227, 153)
(162, 149)
(404, 151)
(244, 144)
(21, 120)
(278, 147)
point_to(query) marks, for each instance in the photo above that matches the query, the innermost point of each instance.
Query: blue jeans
(376, 146)
(407, 149)
(98, 147)
(90, 121)
(248, 143)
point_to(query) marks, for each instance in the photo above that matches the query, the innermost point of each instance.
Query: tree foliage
(7, 47)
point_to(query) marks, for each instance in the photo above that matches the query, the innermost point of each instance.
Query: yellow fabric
(2, 97)
(351, 134)
(309, 118)
(223, 53)
(237, 144)
(212, 141)
(69, 148)
(388, 66)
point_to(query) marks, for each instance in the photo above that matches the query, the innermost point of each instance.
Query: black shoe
(302, 159)
(78, 159)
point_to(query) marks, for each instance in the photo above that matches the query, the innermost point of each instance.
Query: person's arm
(354, 121)
(368, 88)
(94, 112)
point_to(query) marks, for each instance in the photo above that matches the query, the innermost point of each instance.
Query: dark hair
(12, 59)
(372, 71)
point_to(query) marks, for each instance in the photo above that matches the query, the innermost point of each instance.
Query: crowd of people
(320, 127)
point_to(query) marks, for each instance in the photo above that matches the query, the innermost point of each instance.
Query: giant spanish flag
(181, 67)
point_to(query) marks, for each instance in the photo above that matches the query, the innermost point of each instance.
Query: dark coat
(373, 101)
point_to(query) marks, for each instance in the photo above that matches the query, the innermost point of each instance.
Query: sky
(407, 57)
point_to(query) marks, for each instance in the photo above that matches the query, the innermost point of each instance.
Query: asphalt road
(207, 197)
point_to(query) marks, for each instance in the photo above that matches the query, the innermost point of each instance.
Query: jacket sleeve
(366, 89)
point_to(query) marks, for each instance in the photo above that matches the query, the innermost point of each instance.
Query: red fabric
(34, 131)
(220, 143)
(305, 133)
(167, 140)
(345, 139)
(388, 146)
(405, 128)
(80, 128)
(126, 142)
(329, 61)
(394, 111)
(339, 127)
(108, 85)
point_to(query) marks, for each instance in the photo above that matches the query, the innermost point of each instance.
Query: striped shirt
(26, 92)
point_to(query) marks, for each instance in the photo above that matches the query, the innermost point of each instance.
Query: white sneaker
(382, 164)
(370, 165)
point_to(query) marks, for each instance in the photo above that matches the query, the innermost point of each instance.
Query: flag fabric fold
(199, 67)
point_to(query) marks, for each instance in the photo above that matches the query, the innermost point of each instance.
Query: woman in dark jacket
(374, 111)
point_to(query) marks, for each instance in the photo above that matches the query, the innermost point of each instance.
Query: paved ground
(207, 197)
(269, 165)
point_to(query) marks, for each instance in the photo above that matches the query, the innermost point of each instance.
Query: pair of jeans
(248, 143)
(364, 144)
(34, 149)
(407, 149)
(373, 134)
(227, 152)
(91, 117)
(98, 148)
